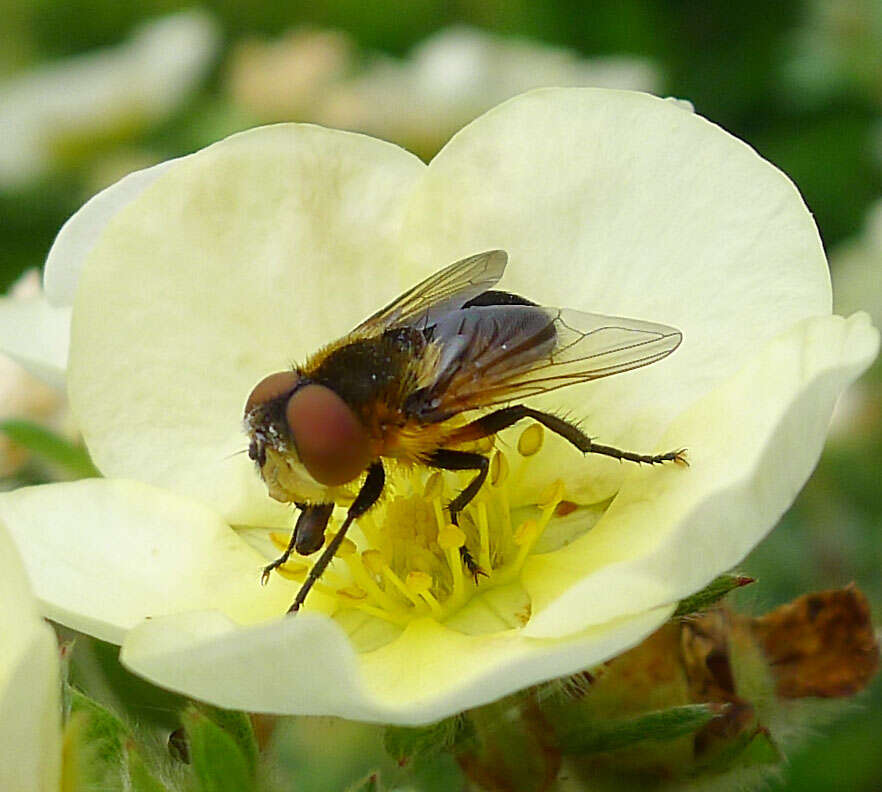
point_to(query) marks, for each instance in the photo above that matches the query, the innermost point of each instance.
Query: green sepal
(95, 741)
(219, 763)
(750, 748)
(660, 725)
(50, 447)
(405, 744)
(370, 783)
(761, 750)
(714, 591)
(238, 725)
(140, 777)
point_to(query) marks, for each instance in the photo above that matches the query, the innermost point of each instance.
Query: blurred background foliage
(92, 89)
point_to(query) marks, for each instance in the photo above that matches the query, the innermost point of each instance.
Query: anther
(352, 592)
(498, 469)
(530, 441)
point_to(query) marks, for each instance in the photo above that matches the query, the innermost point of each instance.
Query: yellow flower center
(406, 559)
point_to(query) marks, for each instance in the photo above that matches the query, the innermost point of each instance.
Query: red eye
(331, 441)
(271, 387)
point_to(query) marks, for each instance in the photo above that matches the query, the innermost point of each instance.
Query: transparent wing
(502, 353)
(439, 294)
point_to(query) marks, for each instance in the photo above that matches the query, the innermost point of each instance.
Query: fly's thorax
(368, 371)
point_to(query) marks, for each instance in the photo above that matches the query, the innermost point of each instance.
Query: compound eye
(271, 387)
(331, 441)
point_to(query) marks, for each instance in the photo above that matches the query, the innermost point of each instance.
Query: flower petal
(30, 706)
(105, 554)
(624, 204)
(78, 235)
(306, 665)
(36, 335)
(745, 471)
(241, 259)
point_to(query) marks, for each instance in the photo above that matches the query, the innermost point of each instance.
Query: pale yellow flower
(30, 687)
(194, 279)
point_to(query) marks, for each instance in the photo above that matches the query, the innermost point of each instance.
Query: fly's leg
(501, 419)
(367, 496)
(448, 459)
(307, 537)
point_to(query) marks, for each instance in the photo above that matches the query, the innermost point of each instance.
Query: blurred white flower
(287, 79)
(835, 49)
(32, 386)
(856, 267)
(30, 686)
(61, 110)
(420, 101)
(456, 74)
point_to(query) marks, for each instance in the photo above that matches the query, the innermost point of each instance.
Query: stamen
(352, 592)
(298, 575)
(501, 471)
(374, 559)
(420, 583)
(292, 570)
(484, 537)
(297, 572)
(531, 439)
(450, 539)
(524, 537)
(529, 531)
(365, 581)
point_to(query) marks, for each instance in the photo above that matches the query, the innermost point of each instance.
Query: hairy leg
(367, 496)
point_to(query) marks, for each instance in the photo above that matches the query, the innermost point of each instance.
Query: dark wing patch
(496, 354)
(443, 292)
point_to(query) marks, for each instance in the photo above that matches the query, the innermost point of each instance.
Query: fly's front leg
(501, 419)
(367, 496)
(448, 459)
(307, 537)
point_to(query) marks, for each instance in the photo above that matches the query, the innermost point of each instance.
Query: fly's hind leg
(307, 537)
(501, 419)
(448, 459)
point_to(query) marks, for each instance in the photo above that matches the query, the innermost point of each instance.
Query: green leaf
(216, 758)
(51, 447)
(713, 592)
(660, 725)
(405, 744)
(140, 778)
(238, 725)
